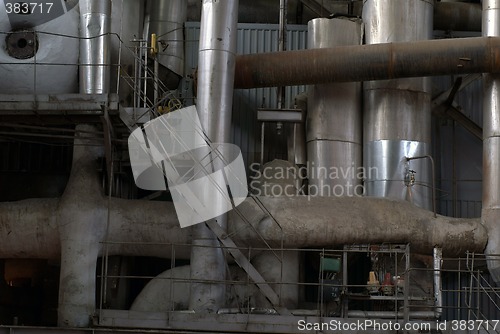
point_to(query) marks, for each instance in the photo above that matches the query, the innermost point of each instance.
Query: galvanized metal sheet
(387, 171)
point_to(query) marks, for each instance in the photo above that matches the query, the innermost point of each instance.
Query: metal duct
(214, 103)
(334, 118)
(491, 146)
(327, 221)
(369, 62)
(397, 117)
(166, 20)
(306, 222)
(94, 46)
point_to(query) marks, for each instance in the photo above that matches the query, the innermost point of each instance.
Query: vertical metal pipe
(438, 296)
(214, 102)
(95, 25)
(297, 152)
(397, 116)
(282, 46)
(334, 118)
(491, 146)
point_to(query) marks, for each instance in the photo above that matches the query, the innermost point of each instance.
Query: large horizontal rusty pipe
(369, 62)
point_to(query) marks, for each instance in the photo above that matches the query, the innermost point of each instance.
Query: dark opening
(22, 43)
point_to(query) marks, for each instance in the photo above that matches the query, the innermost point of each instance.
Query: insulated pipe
(80, 236)
(214, 103)
(369, 62)
(397, 113)
(491, 146)
(166, 20)
(334, 127)
(326, 221)
(95, 25)
(307, 222)
(279, 267)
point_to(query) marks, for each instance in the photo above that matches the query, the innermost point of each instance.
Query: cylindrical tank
(39, 53)
(397, 113)
(334, 118)
(166, 20)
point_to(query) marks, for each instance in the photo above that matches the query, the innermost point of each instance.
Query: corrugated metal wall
(254, 38)
(459, 154)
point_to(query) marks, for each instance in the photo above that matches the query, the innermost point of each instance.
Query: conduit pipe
(438, 295)
(369, 62)
(214, 103)
(491, 146)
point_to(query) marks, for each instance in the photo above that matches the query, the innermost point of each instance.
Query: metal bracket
(280, 115)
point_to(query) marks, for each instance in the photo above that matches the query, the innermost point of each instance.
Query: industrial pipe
(491, 147)
(214, 103)
(438, 295)
(369, 62)
(95, 25)
(81, 234)
(326, 221)
(312, 222)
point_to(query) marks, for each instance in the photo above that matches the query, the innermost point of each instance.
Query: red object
(387, 279)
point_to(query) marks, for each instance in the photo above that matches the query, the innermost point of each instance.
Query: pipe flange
(22, 44)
